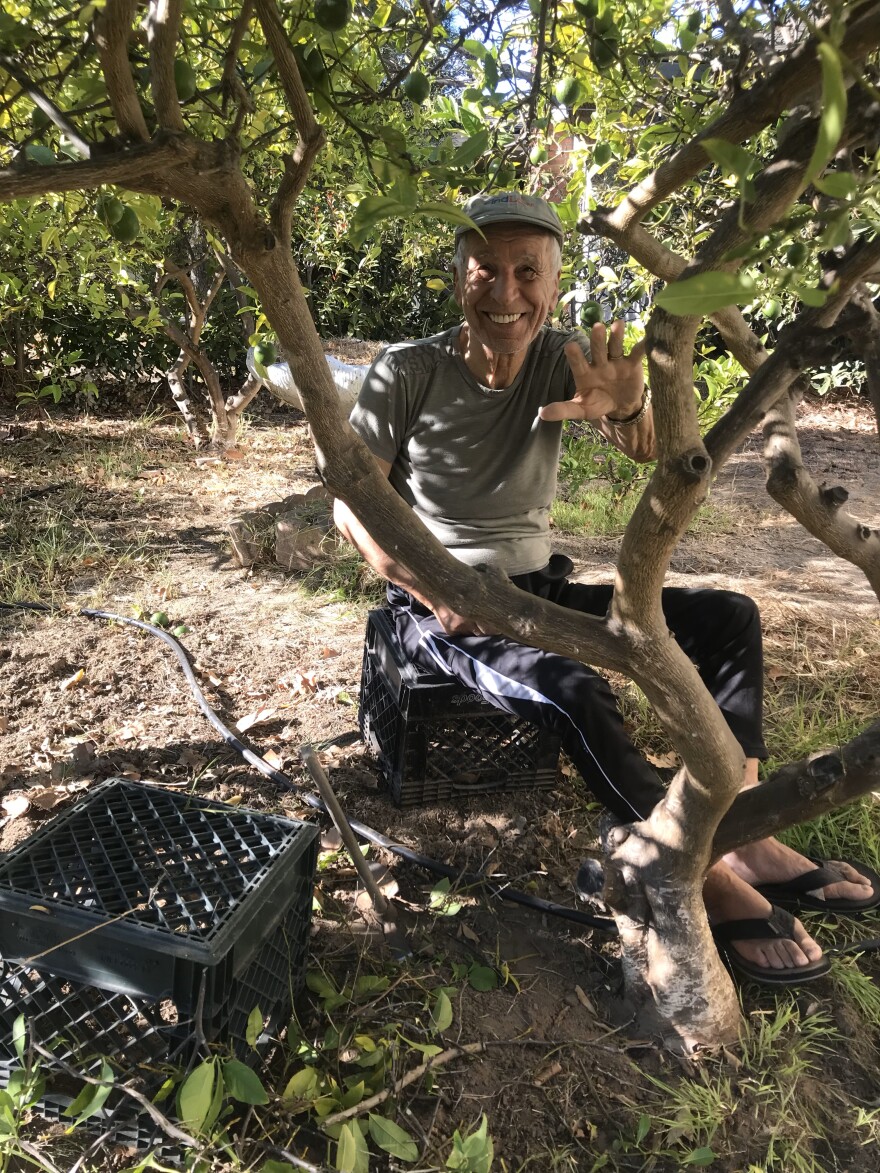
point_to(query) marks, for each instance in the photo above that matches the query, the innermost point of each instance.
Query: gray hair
(462, 252)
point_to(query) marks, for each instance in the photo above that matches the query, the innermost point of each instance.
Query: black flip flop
(778, 925)
(796, 893)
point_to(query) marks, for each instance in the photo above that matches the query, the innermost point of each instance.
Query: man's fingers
(564, 409)
(577, 360)
(615, 339)
(598, 344)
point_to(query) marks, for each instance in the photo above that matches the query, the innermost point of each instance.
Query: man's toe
(807, 949)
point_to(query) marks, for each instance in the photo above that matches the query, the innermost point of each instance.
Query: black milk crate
(143, 917)
(436, 740)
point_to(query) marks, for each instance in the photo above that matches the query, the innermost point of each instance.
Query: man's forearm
(636, 440)
(374, 555)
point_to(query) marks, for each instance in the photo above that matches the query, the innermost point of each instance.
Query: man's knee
(740, 610)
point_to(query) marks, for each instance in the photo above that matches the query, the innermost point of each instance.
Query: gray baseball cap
(512, 207)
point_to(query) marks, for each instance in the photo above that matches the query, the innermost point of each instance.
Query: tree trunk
(237, 404)
(676, 984)
(196, 428)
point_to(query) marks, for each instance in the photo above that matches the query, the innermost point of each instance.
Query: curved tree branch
(817, 509)
(142, 167)
(749, 112)
(801, 791)
(112, 34)
(801, 345)
(231, 85)
(163, 23)
(310, 134)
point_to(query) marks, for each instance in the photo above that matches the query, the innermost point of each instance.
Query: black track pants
(719, 630)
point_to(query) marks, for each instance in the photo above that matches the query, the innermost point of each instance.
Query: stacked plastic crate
(142, 921)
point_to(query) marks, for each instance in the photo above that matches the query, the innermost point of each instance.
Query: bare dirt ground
(82, 700)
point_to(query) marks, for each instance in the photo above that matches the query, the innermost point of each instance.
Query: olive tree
(782, 134)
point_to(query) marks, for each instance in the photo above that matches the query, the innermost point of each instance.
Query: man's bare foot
(729, 898)
(770, 862)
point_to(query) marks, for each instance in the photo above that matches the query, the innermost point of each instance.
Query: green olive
(417, 88)
(591, 313)
(797, 252)
(567, 91)
(265, 353)
(126, 228)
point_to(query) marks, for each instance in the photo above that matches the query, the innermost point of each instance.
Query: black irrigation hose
(468, 879)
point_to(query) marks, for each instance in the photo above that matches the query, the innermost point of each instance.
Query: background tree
(774, 142)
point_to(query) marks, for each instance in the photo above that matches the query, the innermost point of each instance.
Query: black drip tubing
(467, 879)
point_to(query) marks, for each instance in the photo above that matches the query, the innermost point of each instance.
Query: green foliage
(833, 111)
(472, 1152)
(706, 292)
(24, 1088)
(66, 279)
(718, 379)
(441, 902)
(92, 1098)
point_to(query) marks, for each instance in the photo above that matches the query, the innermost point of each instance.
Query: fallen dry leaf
(255, 718)
(274, 759)
(47, 797)
(331, 840)
(664, 761)
(547, 1073)
(16, 805)
(326, 653)
(584, 1000)
(386, 882)
(468, 933)
(4, 724)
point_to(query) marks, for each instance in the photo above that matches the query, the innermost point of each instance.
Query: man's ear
(456, 285)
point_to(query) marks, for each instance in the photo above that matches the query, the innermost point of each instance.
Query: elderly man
(467, 425)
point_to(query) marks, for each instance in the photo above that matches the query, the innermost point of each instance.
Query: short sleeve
(380, 414)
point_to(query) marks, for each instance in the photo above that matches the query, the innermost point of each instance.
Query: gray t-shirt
(477, 465)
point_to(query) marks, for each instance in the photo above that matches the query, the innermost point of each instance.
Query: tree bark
(197, 431)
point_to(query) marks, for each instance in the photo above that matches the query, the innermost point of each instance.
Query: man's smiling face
(507, 285)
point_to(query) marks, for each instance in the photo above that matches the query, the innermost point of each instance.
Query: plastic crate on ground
(436, 740)
(142, 917)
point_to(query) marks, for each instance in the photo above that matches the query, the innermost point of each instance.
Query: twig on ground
(446, 1057)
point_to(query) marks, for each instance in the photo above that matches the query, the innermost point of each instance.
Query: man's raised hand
(610, 383)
